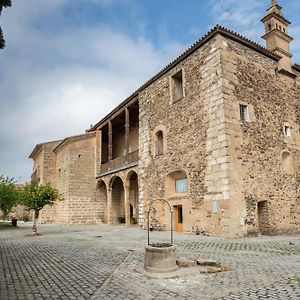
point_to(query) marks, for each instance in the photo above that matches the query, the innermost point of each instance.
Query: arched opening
(101, 198)
(118, 205)
(159, 143)
(176, 183)
(263, 217)
(287, 163)
(270, 26)
(133, 197)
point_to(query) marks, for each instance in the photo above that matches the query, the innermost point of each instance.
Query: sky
(68, 63)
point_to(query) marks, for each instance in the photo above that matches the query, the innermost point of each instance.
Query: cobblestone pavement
(100, 261)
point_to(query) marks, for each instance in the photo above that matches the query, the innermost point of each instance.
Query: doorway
(263, 217)
(178, 218)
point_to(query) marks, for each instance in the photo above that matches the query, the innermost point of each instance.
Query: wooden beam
(110, 140)
(127, 125)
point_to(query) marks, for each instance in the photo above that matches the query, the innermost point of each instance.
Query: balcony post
(109, 140)
(127, 126)
(127, 203)
(109, 205)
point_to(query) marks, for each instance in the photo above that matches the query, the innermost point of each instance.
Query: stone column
(127, 203)
(109, 206)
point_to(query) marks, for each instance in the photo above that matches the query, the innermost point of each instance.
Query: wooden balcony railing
(119, 162)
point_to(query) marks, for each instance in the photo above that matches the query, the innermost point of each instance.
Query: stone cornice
(277, 16)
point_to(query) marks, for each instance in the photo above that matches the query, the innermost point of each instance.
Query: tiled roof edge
(216, 30)
(71, 138)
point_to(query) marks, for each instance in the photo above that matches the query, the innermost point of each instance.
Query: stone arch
(159, 138)
(133, 195)
(101, 199)
(287, 163)
(116, 186)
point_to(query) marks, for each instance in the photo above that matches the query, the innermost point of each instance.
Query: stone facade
(215, 134)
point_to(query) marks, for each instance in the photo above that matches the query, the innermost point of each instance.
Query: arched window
(159, 143)
(270, 27)
(287, 163)
(176, 183)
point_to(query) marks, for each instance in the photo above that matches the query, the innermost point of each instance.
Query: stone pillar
(126, 146)
(127, 202)
(109, 140)
(109, 206)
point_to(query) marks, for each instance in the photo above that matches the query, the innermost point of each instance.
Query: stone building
(215, 133)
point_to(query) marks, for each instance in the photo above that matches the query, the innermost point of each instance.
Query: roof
(73, 138)
(40, 146)
(296, 67)
(198, 44)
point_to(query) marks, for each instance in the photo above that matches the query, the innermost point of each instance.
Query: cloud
(242, 16)
(56, 83)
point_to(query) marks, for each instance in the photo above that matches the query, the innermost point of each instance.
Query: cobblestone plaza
(100, 262)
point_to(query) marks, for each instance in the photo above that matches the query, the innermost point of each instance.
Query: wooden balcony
(119, 162)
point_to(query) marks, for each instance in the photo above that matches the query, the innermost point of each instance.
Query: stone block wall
(271, 195)
(197, 141)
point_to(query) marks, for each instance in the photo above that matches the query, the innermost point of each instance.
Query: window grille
(243, 113)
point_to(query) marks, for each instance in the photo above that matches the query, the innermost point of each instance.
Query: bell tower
(276, 35)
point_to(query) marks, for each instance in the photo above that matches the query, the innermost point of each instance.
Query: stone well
(160, 258)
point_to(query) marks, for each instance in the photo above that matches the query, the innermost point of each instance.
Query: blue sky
(69, 62)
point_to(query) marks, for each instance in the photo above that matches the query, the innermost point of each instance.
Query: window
(177, 86)
(176, 184)
(244, 113)
(286, 130)
(159, 143)
(181, 185)
(270, 26)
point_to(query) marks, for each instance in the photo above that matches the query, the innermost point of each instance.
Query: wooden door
(178, 218)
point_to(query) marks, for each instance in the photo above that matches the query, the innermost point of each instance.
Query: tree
(3, 4)
(9, 195)
(35, 196)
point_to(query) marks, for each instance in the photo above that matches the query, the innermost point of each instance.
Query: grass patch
(4, 225)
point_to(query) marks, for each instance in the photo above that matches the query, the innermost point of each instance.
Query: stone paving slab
(100, 262)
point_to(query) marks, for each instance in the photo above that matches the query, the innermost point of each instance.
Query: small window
(284, 30)
(159, 143)
(270, 27)
(287, 130)
(244, 113)
(181, 185)
(177, 86)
